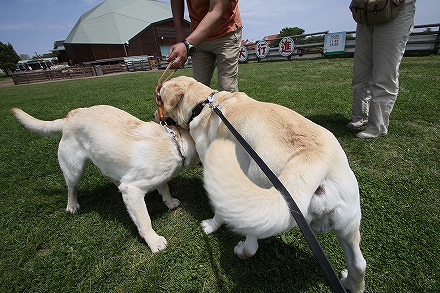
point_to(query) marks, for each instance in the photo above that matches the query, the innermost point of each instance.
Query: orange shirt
(229, 22)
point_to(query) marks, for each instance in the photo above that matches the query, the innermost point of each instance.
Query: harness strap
(177, 137)
(199, 107)
(320, 256)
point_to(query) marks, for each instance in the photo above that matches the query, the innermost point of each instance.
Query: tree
(8, 58)
(288, 32)
(24, 56)
(314, 39)
(45, 55)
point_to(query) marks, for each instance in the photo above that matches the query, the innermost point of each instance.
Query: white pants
(378, 51)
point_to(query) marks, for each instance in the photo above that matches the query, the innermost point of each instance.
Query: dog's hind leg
(135, 203)
(169, 201)
(353, 277)
(247, 248)
(115, 182)
(72, 163)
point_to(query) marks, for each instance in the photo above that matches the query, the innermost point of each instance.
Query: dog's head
(180, 95)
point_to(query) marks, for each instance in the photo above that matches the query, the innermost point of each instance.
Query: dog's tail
(244, 206)
(47, 128)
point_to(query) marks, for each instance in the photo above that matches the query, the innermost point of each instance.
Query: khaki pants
(378, 52)
(222, 53)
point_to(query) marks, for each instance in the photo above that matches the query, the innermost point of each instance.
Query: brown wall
(147, 42)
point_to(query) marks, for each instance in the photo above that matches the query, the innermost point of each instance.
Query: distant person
(214, 40)
(379, 50)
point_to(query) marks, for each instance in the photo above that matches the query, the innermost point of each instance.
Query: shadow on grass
(276, 267)
(106, 200)
(336, 123)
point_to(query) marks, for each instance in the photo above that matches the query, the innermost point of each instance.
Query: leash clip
(211, 100)
(168, 129)
(177, 140)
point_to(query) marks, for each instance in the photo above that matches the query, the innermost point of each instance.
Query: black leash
(320, 256)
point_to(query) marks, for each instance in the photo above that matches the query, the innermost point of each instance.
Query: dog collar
(199, 107)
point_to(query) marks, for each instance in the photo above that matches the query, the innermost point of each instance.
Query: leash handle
(310, 237)
(159, 102)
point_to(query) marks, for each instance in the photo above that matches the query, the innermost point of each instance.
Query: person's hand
(178, 55)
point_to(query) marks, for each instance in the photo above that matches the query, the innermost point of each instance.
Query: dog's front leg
(211, 225)
(170, 202)
(135, 203)
(247, 248)
(72, 200)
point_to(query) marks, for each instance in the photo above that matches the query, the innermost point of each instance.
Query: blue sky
(33, 25)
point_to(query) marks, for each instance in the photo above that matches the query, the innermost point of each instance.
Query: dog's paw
(247, 248)
(173, 203)
(209, 226)
(72, 209)
(351, 286)
(239, 250)
(344, 274)
(158, 244)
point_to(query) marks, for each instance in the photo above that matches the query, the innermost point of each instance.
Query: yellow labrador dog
(138, 156)
(306, 158)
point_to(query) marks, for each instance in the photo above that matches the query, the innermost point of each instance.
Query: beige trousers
(223, 53)
(378, 52)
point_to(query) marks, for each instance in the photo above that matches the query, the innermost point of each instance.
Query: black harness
(199, 107)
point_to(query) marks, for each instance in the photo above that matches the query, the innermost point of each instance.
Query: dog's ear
(171, 95)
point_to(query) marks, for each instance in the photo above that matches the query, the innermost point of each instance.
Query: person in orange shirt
(214, 40)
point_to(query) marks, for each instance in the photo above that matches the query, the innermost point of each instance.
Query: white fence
(425, 39)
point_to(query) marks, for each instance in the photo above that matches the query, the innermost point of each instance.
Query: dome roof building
(122, 28)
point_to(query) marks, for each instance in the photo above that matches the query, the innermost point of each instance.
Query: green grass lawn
(44, 249)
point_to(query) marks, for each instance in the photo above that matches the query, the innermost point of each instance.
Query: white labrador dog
(138, 156)
(306, 158)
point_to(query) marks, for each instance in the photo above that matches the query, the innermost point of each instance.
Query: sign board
(286, 47)
(334, 43)
(243, 54)
(261, 49)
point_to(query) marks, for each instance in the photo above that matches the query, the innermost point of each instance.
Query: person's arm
(209, 22)
(177, 8)
(178, 52)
